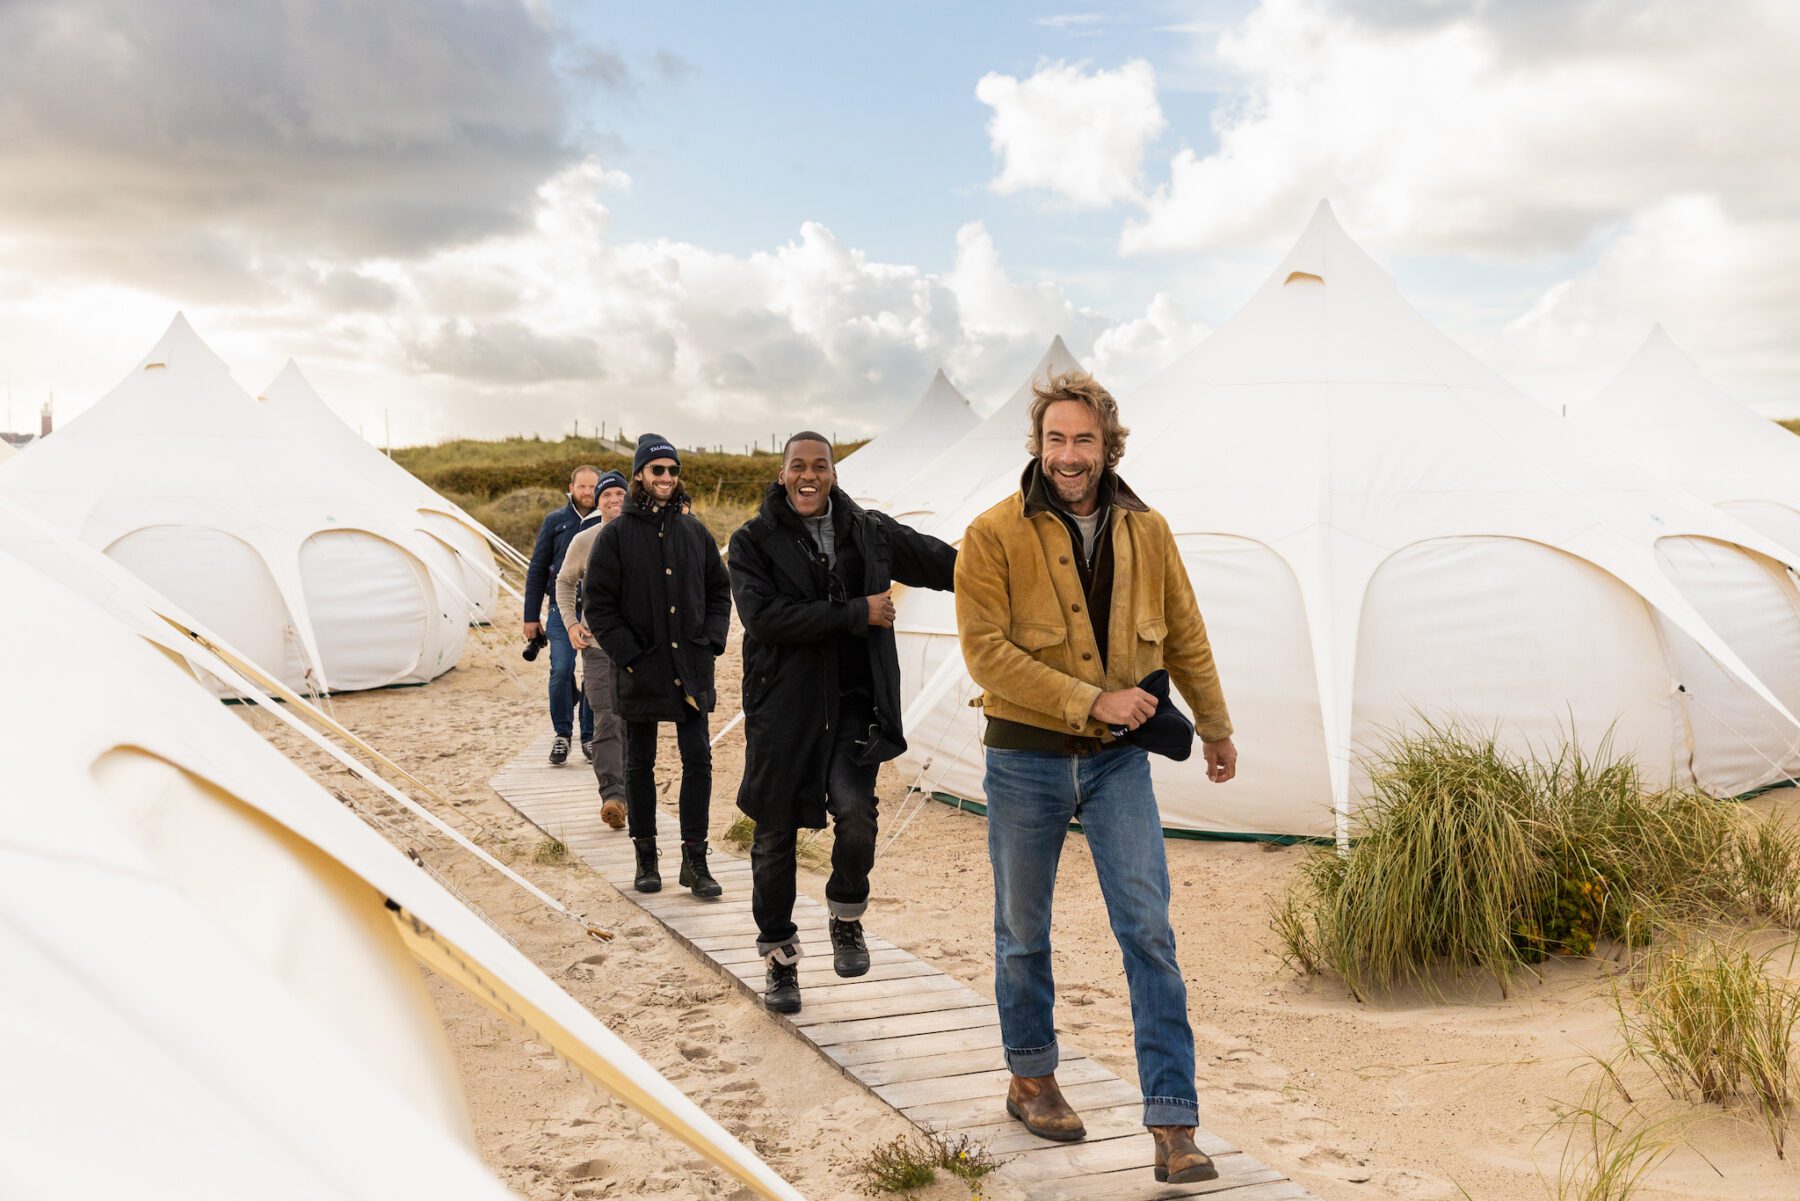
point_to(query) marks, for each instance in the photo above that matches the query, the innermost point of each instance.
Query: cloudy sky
(489, 217)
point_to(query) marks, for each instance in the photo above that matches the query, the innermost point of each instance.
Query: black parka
(658, 601)
(792, 633)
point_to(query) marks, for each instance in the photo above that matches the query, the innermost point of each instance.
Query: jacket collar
(1037, 498)
(635, 508)
(778, 512)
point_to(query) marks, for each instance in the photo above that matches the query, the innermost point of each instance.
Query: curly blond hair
(1081, 388)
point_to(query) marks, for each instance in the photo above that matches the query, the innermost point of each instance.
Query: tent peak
(181, 347)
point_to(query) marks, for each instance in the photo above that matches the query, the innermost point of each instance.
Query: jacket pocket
(1034, 636)
(1151, 633)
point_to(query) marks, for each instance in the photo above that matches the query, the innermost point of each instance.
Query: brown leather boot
(1178, 1161)
(612, 812)
(1037, 1102)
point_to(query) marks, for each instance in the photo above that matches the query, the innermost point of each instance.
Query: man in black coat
(812, 574)
(657, 599)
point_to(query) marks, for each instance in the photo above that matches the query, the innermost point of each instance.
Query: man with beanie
(596, 669)
(812, 575)
(1069, 594)
(657, 599)
(546, 559)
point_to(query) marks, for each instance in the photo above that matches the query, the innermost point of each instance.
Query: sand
(1408, 1099)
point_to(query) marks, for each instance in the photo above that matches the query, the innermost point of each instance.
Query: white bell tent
(207, 929)
(1378, 527)
(1664, 413)
(877, 470)
(992, 450)
(6, 450)
(320, 578)
(296, 406)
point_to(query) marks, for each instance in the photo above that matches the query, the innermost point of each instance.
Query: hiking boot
(781, 988)
(587, 749)
(694, 875)
(849, 953)
(559, 751)
(612, 812)
(648, 878)
(1178, 1160)
(1037, 1102)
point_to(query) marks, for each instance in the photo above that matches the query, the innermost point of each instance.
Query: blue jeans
(1031, 798)
(563, 695)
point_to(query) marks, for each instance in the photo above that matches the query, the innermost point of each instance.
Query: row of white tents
(212, 984)
(321, 559)
(1381, 530)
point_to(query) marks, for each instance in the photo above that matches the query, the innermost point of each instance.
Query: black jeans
(850, 799)
(696, 777)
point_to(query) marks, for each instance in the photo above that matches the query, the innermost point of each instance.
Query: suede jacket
(1026, 641)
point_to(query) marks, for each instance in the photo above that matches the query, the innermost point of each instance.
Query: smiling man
(1068, 593)
(812, 574)
(657, 600)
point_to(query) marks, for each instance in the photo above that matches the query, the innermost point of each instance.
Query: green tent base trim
(1286, 840)
(238, 700)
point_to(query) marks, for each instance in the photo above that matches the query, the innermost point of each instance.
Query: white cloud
(526, 331)
(1132, 351)
(1467, 127)
(1727, 291)
(1078, 136)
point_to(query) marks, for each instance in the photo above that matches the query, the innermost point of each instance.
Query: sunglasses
(661, 469)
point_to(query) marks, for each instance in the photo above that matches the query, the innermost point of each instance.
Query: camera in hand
(538, 642)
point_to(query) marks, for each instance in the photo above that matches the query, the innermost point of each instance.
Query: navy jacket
(546, 559)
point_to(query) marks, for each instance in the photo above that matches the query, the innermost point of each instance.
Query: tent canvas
(1664, 413)
(1376, 524)
(209, 810)
(876, 471)
(295, 405)
(989, 452)
(319, 577)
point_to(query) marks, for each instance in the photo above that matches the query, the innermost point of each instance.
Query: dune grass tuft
(1474, 859)
(1716, 1023)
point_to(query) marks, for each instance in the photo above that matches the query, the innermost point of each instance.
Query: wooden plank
(1237, 1172)
(922, 1041)
(989, 1085)
(931, 1067)
(953, 1115)
(823, 1011)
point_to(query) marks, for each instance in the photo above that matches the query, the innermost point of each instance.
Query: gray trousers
(609, 730)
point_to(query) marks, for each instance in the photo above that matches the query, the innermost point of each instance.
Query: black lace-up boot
(694, 875)
(648, 878)
(849, 953)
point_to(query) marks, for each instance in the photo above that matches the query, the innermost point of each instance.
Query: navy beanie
(609, 479)
(652, 446)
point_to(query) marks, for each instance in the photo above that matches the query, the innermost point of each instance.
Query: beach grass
(1472, 859)
(1715, 1021)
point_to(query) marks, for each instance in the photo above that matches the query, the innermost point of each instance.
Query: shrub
(1714, 1022)
(1474, 859)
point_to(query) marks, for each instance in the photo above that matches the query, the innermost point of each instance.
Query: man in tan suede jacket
(1068, 594)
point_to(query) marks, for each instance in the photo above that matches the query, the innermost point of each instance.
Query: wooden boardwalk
(923, 1042)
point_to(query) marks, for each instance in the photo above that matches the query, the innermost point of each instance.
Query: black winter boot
(781, 991)
(694, 875)
(648, 878)
(849, 953)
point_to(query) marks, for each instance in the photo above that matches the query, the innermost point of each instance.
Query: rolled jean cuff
(791, 947)
(846, 911)
(1037, 1061)
(1170, 1111)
